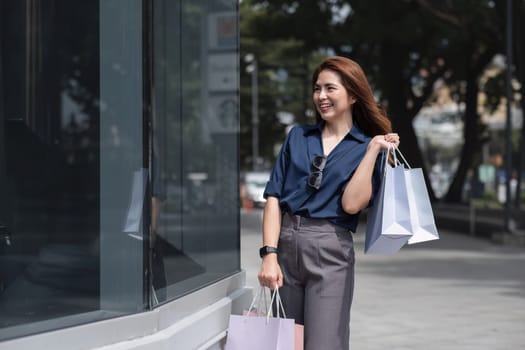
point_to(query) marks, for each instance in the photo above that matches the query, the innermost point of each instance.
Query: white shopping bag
(421, 216)
(261, 332)
(388, 225)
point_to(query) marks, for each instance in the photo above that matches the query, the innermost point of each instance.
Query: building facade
(119, 204)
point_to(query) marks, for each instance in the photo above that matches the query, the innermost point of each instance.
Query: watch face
(262, 251)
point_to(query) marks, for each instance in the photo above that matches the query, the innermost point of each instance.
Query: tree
(475, 35)
(284, 72)
(402, 50)
(405, 47)
(519, 51)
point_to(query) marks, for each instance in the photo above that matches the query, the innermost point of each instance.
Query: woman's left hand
(385, 141)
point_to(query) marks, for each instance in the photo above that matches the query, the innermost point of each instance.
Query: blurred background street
(460, 292)
(455, 96)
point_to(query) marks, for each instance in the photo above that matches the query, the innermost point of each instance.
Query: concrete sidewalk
(459, 292)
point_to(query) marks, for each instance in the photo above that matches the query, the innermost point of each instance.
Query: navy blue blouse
(288, 180)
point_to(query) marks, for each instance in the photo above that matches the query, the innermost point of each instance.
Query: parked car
(254, 183)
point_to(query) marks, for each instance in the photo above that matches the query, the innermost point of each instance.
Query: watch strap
(267, 250)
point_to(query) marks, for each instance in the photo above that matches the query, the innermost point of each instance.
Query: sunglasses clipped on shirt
(316, 175)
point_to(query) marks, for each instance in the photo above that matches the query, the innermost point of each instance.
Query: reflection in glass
(55, 238)
(75, 162)
(196, 144)
(50, 166)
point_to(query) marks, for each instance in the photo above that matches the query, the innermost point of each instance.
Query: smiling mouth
(325, 106)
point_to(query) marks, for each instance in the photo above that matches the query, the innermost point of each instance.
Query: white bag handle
(396, 150)
(392, 148)
(256, 302)
(279, 305)
(384, 159)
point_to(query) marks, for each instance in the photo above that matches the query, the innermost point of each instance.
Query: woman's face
(331, 98)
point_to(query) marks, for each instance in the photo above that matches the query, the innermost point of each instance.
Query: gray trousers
(317, 261)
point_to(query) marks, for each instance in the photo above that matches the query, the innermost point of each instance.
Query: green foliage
(488, 201)
(495, 90)
(284, 68)
(404, 47)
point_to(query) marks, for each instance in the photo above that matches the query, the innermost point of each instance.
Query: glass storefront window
(195, 145)
(118, 157)
(71, 163)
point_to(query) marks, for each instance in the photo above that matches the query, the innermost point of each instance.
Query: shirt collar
(355, 132)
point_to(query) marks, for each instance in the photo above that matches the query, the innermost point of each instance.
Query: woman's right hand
(270, 274)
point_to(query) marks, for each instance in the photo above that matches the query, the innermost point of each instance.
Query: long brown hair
(370, 118)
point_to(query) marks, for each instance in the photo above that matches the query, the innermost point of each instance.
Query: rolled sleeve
(274, 187)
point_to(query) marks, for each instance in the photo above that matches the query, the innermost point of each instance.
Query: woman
(324, 176)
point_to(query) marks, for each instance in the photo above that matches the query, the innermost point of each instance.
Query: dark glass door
(50, 160)
(71, 147)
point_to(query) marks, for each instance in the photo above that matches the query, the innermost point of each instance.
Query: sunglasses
(316, 176)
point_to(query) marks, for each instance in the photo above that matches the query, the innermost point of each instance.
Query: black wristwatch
(267, 250)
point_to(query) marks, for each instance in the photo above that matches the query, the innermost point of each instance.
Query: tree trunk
(471, 132)
(396, 91)
(520, 73)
